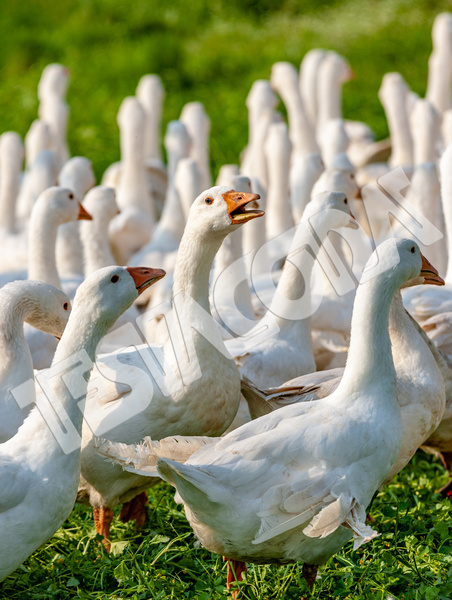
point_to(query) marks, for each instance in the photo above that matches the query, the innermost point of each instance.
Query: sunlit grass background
(206, 50)
(212, 51)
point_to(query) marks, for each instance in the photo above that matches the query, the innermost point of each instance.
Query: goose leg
(235, 570)
(103, 517)
(309, 572)
(135, 510)
(446, 490)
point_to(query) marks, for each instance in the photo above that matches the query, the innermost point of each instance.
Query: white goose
(168, 232)
(54, 207)
(439, 64)
(393, 96)
(77, 175)
(284, 79)
(13, 241)
(423, 303)
(53, 108)
(288, 352)
(197, 122)
(278, 150)
(131, 229)
(420, 384)
(42, 306)
(100, 202)
(37, 141)
(209, 398)
(39, 476)
(309, 70)
(294, 484)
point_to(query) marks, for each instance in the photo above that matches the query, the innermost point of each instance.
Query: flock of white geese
(274, 392)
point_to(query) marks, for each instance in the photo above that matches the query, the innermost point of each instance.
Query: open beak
(144, 277)
(83, 215)
(429, 273)
(237, 202)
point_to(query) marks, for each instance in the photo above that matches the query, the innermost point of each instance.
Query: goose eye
(345, 201)
(209, 200)
(413, 250)
(115, 278)
(71, 196)
(65, 306)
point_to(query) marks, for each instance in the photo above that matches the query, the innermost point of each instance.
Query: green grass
(411, 560)
(212, 52)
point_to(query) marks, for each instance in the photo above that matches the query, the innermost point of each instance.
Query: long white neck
(329, 93)
(394, 104)
(278, 150)
(150, 94)
(301, 131)
(439, 64)
(369, 361)
(96, 245)
(15, 365)
(197, 123)
(409, 350)
(446, 199)
(41, 247)
(194, 261)
(295, 284)
(10, 170)
(225, 278)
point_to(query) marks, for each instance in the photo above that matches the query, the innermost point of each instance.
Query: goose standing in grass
(197, 394)
(294, 484)
(42, 306)
(39, 476)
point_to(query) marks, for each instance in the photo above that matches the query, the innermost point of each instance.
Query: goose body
(209, 397)
(39, 476)
(288, 352)
(294, 484)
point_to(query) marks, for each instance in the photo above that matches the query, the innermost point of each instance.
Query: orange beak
(429, 273)
(144, 277)
(83, 215)
(237, 202)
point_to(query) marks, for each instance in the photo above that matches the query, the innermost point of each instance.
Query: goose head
(108, 292)
(221, 210)
(340, 177)
(150, 90)
(403, 255)
(100, 202)
(54, 81)
(48, 307)
(77, 174)
(331, 210)
(61, 205)
(428, 275)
